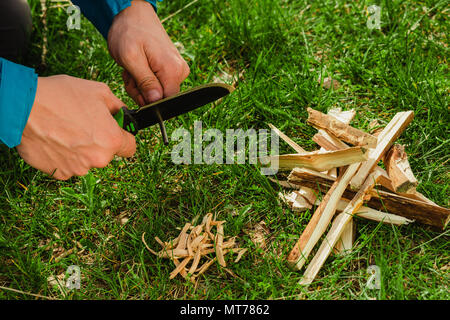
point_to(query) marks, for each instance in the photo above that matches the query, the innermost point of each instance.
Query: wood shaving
(194, 244)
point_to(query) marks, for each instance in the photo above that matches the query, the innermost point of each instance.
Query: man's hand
(153, 67)
(70, 128)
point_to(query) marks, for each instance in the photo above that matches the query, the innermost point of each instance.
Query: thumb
(128, 147)
(146, 81)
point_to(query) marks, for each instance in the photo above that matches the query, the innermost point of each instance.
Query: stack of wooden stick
(346, 170)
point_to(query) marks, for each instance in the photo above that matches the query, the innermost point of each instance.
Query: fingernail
(141, 101)
(153, 95)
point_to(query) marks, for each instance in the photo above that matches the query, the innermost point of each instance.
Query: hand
(70, 128)
(153, 67)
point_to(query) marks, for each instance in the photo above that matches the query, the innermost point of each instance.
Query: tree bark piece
(399, 170)
(322, 161)
(320, 219)
(341, 130)
(385, 140)
(337, 228)
(420, 211)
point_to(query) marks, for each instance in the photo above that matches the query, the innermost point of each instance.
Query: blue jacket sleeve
(18, 83)
(102, 12)
(17, 92)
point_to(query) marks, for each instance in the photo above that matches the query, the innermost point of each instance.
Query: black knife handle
(125, 119)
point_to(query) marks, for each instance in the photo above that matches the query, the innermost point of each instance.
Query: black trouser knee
(15, 28)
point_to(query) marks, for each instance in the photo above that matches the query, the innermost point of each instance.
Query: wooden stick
(372, 214)
(288, 140)
(337, 228)
(344, 116)
(344, 244)
(311, 198)
(375, 215)
(322, 161)
(307, 192)
(320, 219)
(329, 142)
(385, 140)
(420, 211)
(324, 142)
(399, 170)
(341, 130)
(386, 182)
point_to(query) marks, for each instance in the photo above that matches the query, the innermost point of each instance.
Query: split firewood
(375, 215)
(420, 211)
(364, 212)
(330, 143)
(327, 140)
(386, 182)
(399, 170)
(343, 116)
(337, 228)
(352, 179)
(194, 244)
(385, 140)
(341, 130)
(321, 161)
(320, 219)
(295, 201)
(344, 244)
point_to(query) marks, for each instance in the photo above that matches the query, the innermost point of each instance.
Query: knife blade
(170, 107)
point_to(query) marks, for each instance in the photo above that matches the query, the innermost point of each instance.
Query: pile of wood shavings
(194, 245)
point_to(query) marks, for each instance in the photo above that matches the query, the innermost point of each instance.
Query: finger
(128, 147)
(172, 74)
(146, 81)
(132, 89)
(113, 103)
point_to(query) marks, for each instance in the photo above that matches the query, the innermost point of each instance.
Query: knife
(170, 107)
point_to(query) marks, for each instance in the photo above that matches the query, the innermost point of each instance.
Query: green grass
(280, 48)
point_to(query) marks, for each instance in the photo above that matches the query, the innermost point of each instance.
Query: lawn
(276, 51)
